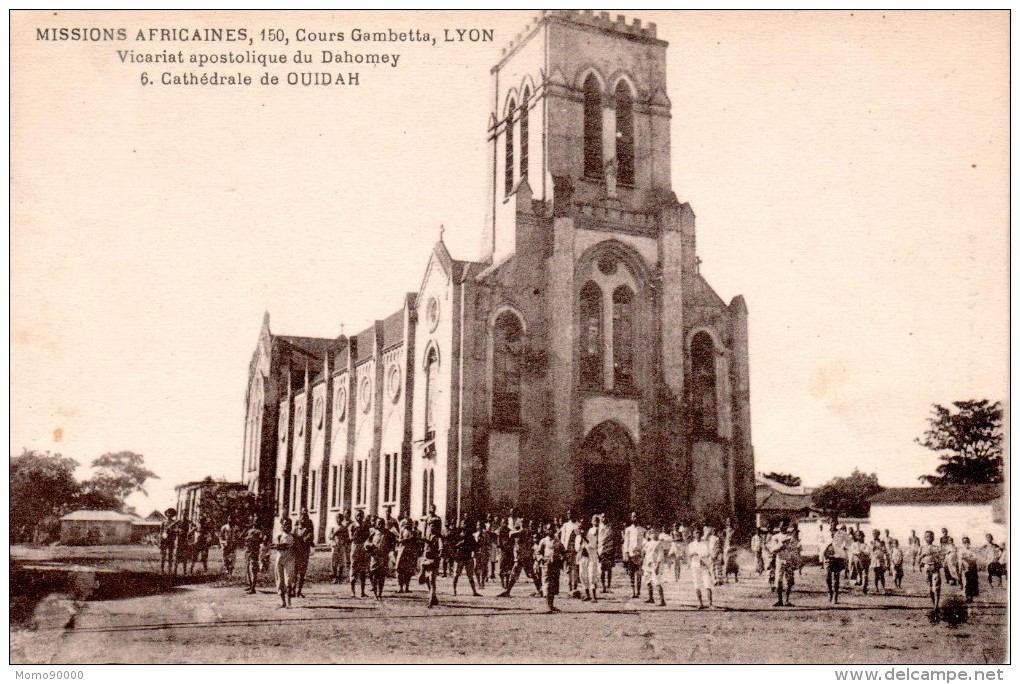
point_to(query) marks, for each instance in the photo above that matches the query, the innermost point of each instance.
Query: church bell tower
(579, 101)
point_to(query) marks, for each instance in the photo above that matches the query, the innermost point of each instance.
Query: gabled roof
(393, 329)
(947, 494)
(313, 346)
(770, 500)
(100, 516)
(365, 342)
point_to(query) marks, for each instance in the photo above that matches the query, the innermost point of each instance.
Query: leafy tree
(120, 475)
(42, 487)
(847, 496)
(95, 500)
(968, 441)
(784, 479)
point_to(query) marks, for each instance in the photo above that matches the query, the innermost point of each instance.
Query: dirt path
(210, 623)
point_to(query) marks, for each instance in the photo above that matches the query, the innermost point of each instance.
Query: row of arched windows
(623, 100)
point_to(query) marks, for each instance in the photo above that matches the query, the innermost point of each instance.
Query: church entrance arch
(607, 458)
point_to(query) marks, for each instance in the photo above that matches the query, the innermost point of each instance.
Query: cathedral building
(583, 362)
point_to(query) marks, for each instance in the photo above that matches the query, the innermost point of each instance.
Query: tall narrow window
(506, 370)
(432, 487)
(386, 478)
(623, 337)
(390, 485)
(313, 489)
(703, 404)
(591, 336)
(431, 386)
(624, 134)
(592, 128)
(524, 134)
(509, 175)
(333, 486)
(424, 492)
(293, 494)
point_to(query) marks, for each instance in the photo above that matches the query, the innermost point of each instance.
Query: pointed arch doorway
(607, 458)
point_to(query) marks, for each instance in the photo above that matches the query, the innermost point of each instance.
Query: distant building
(89, 528)
(964, 510)
(775, 502)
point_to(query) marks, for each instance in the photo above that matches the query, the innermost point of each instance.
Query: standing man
(339, 543)
(550, 556)
(483, 546)
(283, 545)
(167, 538)
(304, 540)
(568, 538)
(377, 548)
(252, 542)
(430, 560)
(633, 541)
(654, 562)
(913, 549)
(836, 556)
(607, 553)
(929, 559)
(701, 575)
(358, 533)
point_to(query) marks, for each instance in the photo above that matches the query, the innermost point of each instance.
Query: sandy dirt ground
(214, 621)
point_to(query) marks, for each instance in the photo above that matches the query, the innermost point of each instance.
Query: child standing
(283, 545)
(879, 562)
(896, 559)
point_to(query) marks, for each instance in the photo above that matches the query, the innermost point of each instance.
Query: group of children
(586, 551)
(849, 555)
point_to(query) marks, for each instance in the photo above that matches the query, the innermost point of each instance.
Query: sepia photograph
(545, 337)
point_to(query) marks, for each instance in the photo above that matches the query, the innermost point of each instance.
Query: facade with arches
(583, 361)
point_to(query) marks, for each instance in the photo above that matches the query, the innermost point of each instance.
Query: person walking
(929, 559)
(252, 541)
(836, 556)
(550, 556)
(339, 543)
(358, 533)
(304, 540)
(607, 553)
(633, 541)
(432, 554)
(968, 570)
(913, 550)
(283, 545)
(699, 558)
(896, 561)
(464, 548)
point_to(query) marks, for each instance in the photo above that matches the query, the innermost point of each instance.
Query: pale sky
(849, 172)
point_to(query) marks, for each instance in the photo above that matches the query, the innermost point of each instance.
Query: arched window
(506, 370)
(703, 405)
(591, 336)
(623, 337)
(524, 133)
(624, 134)
(509, 175)
(592, 128)
(431, 386)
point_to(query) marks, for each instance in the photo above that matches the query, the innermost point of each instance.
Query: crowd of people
(582, 552)
(849, 555)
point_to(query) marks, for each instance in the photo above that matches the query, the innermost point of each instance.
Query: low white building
(964, 510)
